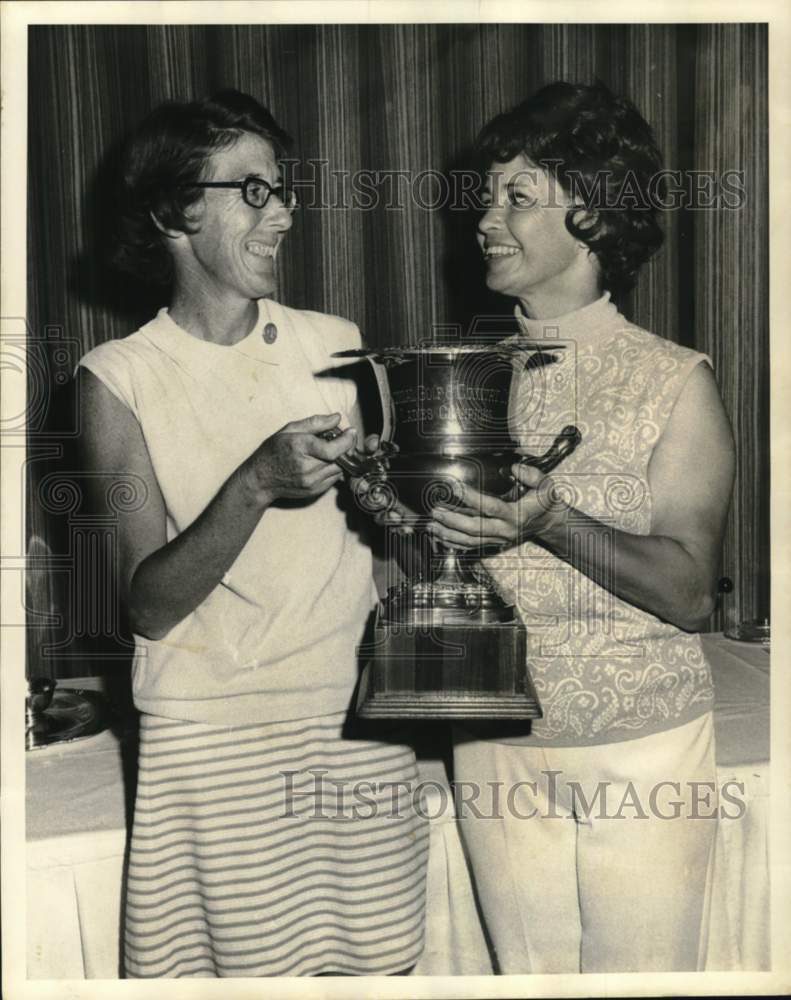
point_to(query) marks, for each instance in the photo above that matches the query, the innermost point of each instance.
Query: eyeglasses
(256, 192)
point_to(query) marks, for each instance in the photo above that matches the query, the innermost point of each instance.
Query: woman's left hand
(490, 521)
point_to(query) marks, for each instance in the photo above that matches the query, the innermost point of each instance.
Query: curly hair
(603, 153)
(169, 150)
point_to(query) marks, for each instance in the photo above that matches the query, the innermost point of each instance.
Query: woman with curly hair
(594, 856)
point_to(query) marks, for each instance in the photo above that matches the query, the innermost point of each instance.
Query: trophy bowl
(445, 643)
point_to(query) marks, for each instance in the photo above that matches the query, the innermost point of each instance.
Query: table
(79, 801)
(739, 933)
(78, 804)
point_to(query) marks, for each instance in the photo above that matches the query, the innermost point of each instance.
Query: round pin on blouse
(270, 333)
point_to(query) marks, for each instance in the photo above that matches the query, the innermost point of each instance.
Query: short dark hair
(168, 150)
(604, 153)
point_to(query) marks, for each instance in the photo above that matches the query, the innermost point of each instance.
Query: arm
(162, 582)
(672, 571)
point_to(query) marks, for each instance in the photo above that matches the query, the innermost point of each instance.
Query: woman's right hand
(295, 463)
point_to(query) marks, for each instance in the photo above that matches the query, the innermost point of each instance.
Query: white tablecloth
(739, 932)
(77, 811)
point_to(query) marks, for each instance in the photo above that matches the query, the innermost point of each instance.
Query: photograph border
(16, 16)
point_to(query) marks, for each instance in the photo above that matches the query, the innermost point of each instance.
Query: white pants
(608, 875)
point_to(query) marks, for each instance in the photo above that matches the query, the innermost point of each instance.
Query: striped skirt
(273, 850)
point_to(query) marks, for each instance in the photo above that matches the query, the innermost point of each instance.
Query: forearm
(671, 572)
(653, 572)
(171, 582)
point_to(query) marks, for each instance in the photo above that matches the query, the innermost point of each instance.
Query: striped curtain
(387, 99)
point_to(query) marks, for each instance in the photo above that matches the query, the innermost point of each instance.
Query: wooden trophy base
(447, 671)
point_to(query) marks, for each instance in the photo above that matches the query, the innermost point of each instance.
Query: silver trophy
(445, 644)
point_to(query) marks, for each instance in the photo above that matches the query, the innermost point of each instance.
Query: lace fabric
(604, 670)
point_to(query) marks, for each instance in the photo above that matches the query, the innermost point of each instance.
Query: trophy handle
(563, 445)
(388, 409)
(373, 468)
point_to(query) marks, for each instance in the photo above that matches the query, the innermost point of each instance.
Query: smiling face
(232, 253)
(529, 252)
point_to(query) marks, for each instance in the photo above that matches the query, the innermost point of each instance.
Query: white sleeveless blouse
(276, 639)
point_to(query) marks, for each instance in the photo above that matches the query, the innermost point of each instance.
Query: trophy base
(448, 671)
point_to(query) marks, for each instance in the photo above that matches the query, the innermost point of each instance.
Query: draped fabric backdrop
(381, 98)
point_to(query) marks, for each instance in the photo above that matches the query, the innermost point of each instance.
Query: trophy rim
(424, 349)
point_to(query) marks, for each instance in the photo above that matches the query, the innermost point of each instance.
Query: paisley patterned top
(604, 670)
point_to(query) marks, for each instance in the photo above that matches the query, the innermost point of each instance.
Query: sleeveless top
(276, 639)
(604, 670)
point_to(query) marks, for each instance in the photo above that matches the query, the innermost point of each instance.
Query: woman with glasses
(596, 859)
(265, 840)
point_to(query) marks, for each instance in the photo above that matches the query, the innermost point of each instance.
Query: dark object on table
(61, 715)
(752, 630)
(40, 691)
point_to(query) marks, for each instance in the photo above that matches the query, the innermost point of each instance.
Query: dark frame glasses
(256, 192)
